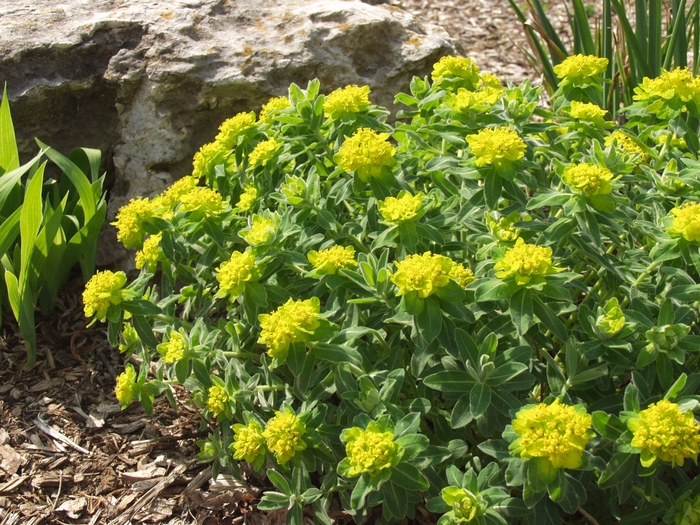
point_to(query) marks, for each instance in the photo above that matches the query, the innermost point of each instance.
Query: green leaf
(409, 477)
(278, 481)
(336, 353)
(504, 373)
(256, 293)
(395, 500)
(479, 399)
(9, 155)
(493, 290)
(545, 314)
(144, 330)
(521, 310)
(608, 426)
(461, 413)
(141, 307)
(617, 470)
(548, 199)
(450, 381)
(492, 189)
(676, 387)
(429, 321)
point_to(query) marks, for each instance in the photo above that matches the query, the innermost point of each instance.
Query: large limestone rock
(148, 82)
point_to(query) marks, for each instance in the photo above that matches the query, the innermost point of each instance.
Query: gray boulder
(148, 82)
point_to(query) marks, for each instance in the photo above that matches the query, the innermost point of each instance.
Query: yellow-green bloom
(126, 385)
(217, 400)
(283, 435)
(209, 156)
(581, 69)
(130, 338)
(404, 208)
(130, 219)
(526, 263)
(150, 254)
(264, 152)
(587, 111)
(686, 221)
(171, 196)
(293, 189)
(588, 179)
(247, 198)
(465, 505)
(489, 80)
(293, 322)
(461, 274)
(370, 450)
(272, 106)
(671, 89)
(366, 153)
(461, 70)
(497, 146)
(174, 349)
(234, 273)
(423, 274)
(480, 100)
(330, 260)
(230, 129)
(502, 228)
(202, 200)
(347, 100)
(611, 319)
(260, 231)
(689, 512)
(248, 442)
(626, 144)
(105, 288)
(557, 433)
(664, 432)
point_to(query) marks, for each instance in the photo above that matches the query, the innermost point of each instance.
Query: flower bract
(230, 130)
(686, 221)
(526, 263)
(283, 435)
(461, 71)
(130, 219)
(174, 349)
(248, 198)
(496, 146)
(150, 254)
(102, 290)
(234, 273)
(330, 260)
(248, 442)
(347, 100)
(588, 179)
(293, 322)
(264, 152)
(125, 388)
(260, 231)
(370, 450)
(580, 70)
(423, 274)
(366, 153)
(217, 400)
(404, 208)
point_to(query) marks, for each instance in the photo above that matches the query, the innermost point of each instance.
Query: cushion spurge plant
(463, 311)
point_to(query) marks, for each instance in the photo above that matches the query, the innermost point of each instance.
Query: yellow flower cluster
(525, 263)
(350, 99)
(463, 69)
(464, 504)
(293, 322)
(664, 432)
(130, 219)
(366, 153)
(461, 274)
(207, 157)
(248, 442)
(686, 221)
(496, 146)
(404, 208)
(588, 179)
(174, 349)
(422, 273)
(587, 111)
(480, 100)
(217, 400)
(558, 433)
(171, 197)
(125, 388)
(625, 143)
(260, 231)
(672, 87)
(579, 70)
(233, 127)
(247, 198)
(273, 105)
(150, 254)
(283, 435)
(102, 290)
(330, 260)
(234, 273)
(370, 450)
(202, 200)
(264, 152)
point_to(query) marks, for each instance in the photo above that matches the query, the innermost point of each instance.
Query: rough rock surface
(148, 82)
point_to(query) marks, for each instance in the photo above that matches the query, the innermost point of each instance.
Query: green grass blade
(695, 10)
(582, 28)
(9, 230)
(676, 46)
(607, 52)
(29, 223)
(655, 52)
(9, 155)
(555, 44)
(631, 40)
(642, 24)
